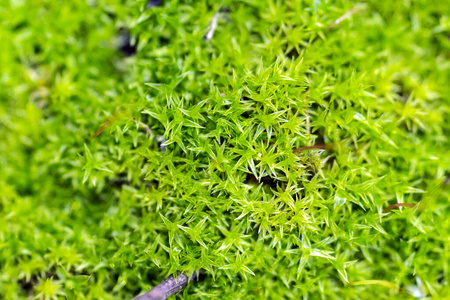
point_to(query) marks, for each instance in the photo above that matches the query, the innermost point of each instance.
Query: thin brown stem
(320, 146)
(147, 129)
(398, 205)
(102, 127)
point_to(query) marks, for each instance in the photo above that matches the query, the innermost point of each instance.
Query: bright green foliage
(213, 182)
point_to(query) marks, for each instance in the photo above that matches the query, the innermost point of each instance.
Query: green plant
(264, 156)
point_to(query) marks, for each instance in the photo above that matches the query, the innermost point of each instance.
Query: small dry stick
(110, 121)
(342, 18)
(337, 22)
(398, 205)
(169, 287)
(321, 146)
(102, 127)
(307, 123)
(208, 36)
(147, 129)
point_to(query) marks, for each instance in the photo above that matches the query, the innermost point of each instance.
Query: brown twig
(110, 121)
(102, 127)
(398, 205)
(147, 129)
(320, 146)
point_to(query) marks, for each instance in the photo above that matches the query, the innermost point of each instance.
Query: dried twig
(320, 146)
(347, 15)
(208, 36)
(102, 127)
(110, 121)
(398, 205)
(308, 129)
(169, 287)
(337, 22)
(147, 129)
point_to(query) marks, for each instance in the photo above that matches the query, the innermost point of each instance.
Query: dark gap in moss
(124, 42)
(359, 256)
(164, 41)
(314, 106)
(201, 276)
(416, 197)
(83, 30)
(20, 26)
(266, 181)
(344, 65)
(293, 53)
(401, 90)
(28, 286)
(327, 98)
(152, 275)
(435, 15)
(150, 183)
(331, 160)
(120, 180)
(110, 14)
(356, 207)
(299, 195)
(246, 114)
(139, 213)
(441, 278)
(446, 179)
(113, 278)
(37, 49)
(83, 272)
(24, 186)
(59, 70)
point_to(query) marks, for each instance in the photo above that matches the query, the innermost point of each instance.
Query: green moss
(120, 168)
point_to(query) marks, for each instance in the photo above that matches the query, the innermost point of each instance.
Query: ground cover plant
(283, 149)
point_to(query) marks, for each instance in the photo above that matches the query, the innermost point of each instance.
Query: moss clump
(287, 149)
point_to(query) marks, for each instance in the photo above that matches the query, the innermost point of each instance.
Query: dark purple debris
(162, 140)
(153, 3)
(170, 286)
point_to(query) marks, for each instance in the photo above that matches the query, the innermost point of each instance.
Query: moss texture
(289, 149)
